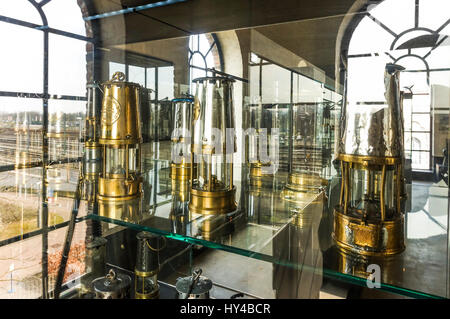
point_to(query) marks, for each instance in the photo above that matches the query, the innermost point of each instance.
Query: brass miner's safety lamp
(212, 189)
(181, 141)
(120, 136)
(369, 219)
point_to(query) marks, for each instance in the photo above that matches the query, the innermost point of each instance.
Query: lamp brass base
(264, 182)
(308, 210)
(210, 203)
(119, 208)
(300, 183)
(211, 227)
(258, 178)
(152, 295)
(119, 188)
(361, 266)
(370, 238)
(259, 170)
(180, 172)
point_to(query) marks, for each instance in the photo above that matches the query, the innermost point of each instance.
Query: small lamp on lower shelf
(147, 266)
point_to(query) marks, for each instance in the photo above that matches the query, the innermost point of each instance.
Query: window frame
(427, 70)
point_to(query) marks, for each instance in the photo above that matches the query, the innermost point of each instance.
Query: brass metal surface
(300, 183)
(358, 265)
(128, 210)
(212, 227)
(120, 117)
(367, 161)
(180, 190)
(180, 172)
(152, 295)
(257, 170)
(119, 188)
(371, 238)
(260, 183)
(120, 134)
(92, 163)
(306, 180)
(210, 203)
(306, 207)
(145, 273)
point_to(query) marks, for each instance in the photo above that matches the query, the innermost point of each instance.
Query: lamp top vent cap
(118, 78)
(392, 68)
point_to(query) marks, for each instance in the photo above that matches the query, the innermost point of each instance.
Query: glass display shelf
(292, 233)
(249, 234)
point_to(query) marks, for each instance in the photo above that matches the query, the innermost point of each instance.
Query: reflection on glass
(56, 12)
(23, 66)
(213, 190)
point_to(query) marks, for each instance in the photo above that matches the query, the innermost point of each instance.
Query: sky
(21, 61)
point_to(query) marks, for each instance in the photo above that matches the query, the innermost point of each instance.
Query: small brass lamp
(121, 138)
(92, 161)
(147, 266)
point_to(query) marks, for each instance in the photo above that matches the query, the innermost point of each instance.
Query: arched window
(204, 55)
(414, 34)
(43, 60)
(44, 70)
(44, 73)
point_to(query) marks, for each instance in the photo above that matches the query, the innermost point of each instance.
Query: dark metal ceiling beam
(133, 9)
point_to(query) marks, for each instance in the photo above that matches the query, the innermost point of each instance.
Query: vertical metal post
(139, 158)
(448, 239)
(209, 165)
(104, 161)
(342, 183)
(68, 239)
(44, 199)
(231, 172)
(382, 193)
(291, 126)
(127, 164)
(398, 169)
(156, 142)
(346, 185)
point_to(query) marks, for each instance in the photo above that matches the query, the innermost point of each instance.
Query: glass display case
(264, 156)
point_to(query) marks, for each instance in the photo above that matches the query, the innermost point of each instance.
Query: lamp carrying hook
(157, 250)
(118, 76)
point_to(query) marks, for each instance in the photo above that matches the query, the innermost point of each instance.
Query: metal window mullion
(290, 125)
(44, 199)
(30, 95)
(43, 3)
(156, 140)
(416, 14)
(145, 77)
(44, 28)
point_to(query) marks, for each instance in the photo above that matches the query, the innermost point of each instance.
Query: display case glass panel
(301, 85)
